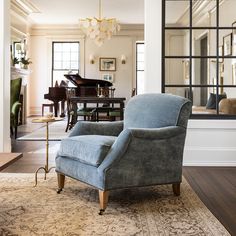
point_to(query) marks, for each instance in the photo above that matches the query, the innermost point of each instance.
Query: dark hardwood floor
(215, 186)
(33, 156)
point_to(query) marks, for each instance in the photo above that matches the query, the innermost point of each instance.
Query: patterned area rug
(25, 210)
(56, 132)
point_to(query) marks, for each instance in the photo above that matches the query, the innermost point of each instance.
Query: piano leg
(74, 117)
(62, 108)
(55, 108)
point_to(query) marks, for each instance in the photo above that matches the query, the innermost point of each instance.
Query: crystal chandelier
(99, 29)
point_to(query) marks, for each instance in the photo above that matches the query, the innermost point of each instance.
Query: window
(140, 67)
(199, 54)
(65, 59)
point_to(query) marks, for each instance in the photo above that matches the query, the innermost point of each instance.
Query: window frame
(79, 61)
(190, 57)
(136, 61)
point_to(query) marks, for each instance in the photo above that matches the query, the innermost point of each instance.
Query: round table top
(46, 119)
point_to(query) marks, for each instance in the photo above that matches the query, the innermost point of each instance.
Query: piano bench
(50, 105)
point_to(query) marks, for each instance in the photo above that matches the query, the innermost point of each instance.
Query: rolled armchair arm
(15, 108)
(101, 128)
(123, 143)
(158, 133)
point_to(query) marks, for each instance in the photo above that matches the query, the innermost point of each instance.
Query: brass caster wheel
(59, 190)
(101, 212)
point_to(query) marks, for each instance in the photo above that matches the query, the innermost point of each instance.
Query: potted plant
(25, 62)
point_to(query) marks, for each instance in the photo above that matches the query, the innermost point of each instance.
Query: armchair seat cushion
(88, 149)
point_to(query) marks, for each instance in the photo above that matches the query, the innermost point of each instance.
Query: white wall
(123, 76)
(209, 142)
(41, 54)
(5, 142)
(153, 19)
(38, 82)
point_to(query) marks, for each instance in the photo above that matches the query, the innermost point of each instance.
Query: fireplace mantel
(24, 74)
(20, 73)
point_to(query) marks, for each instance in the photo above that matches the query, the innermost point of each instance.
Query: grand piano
(85, 87)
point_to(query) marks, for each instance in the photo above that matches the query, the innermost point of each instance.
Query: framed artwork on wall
(227, 44)
(107, 64)
(108, 77)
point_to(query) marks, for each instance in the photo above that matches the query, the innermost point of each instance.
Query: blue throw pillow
(211, 103)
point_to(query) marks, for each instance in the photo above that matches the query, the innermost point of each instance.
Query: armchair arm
(101, 128)
(141, 157)
(15, 108)
(123, 144)
(158, 133)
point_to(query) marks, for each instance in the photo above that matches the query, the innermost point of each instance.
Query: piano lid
(77, 80)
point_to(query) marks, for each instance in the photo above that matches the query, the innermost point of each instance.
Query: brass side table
(47, 121)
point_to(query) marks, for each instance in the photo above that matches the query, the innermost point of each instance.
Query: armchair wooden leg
(61, 182)
(103, 199)
(176, 189)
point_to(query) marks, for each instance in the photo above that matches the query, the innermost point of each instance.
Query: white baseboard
(209, 164)
(219, 156)
(210, 143)
(35, 111)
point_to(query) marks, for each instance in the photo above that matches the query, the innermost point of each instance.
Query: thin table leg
(47, 145)
(36, 174)
(45, 168)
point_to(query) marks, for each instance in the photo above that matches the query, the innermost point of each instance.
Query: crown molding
(76, 26)
(25, 6)
(73, 29)
(200, 12)
(16, 34)
(19, 13)
(20, 20)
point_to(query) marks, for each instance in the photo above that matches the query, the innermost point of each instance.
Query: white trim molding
(25, 7)
(210, 143)
(5, 141)
(153, 45)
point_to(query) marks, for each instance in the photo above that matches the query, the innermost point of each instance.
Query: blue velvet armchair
(144, 149)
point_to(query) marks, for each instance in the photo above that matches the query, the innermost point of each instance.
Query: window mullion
(163, 44)
(217, 57)
(190, 48)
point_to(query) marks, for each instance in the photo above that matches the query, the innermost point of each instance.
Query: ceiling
(70, 11)
(126, 11)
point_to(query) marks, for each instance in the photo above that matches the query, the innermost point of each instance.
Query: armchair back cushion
(156, 111)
